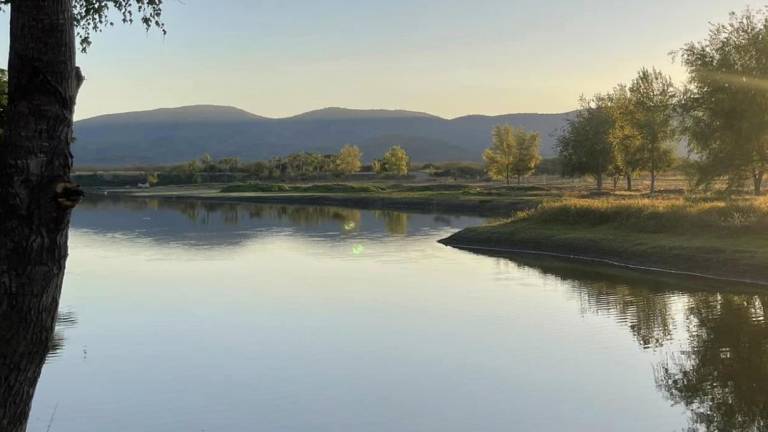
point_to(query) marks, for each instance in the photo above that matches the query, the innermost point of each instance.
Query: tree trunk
(35, 194)
(757, 181)
(653, 170)
(519, 179)
(507, 176)
(600, 182)
(629, 183)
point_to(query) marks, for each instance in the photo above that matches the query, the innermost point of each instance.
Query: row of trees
(721, 112)
(628, 130)
(299, 165)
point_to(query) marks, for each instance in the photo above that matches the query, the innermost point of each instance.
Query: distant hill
(173, 135)
(336, 113)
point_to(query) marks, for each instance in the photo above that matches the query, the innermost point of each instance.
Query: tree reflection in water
(25, 344)
(721, 376)
(396, 222)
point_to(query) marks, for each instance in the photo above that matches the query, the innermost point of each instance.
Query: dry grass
(662, 215)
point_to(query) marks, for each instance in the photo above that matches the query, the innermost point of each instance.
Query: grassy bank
(722, 238)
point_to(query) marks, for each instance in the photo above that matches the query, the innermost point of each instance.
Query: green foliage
(459, 170)
(630, 154)
(395, 161)
(92, 16)
(651, 118)
(550, 166)
(586, 146)
(349, 160)
(514, 151)
(725, 105)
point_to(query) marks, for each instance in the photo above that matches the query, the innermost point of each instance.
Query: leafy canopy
(725, 104)
(92, 16)
(349, 160)
(585, 146)
(514, 151)
(653, 99)
(396, 161)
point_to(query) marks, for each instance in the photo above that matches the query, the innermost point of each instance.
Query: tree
(527, 155)
(396, 161)
(630, 155)
(36, 192)
(3, 99)
(585, 146)
(725, 103)
(653, 99)
(349, 160)
(377, 166)
(513, 152)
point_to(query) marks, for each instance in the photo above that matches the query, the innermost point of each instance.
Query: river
(192, 316)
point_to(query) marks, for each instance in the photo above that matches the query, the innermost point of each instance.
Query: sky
(448, 57)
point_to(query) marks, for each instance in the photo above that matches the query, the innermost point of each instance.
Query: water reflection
(413, 334)
(229, 223)
(718, 367)
(722, 377)
(64, 320)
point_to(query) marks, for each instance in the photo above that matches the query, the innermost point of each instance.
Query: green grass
(727, 238)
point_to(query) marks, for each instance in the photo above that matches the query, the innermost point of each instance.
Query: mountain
(336, 113)
(173, 135)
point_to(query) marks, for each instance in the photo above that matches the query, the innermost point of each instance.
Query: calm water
(182, 316)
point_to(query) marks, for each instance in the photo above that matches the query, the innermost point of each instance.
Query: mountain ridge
(174, 135)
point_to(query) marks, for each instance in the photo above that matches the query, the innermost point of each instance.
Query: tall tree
(585, 146)
(36, 194)
(630, 155)
(527, 153)
(725, 104)
(500, 157)
(653, 99)
(513, 151)
(349, 160)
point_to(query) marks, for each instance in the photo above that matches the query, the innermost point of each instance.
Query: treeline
(296, 166)
(302, 165)
(721, 112)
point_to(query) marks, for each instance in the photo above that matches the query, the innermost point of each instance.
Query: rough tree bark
(36, 196)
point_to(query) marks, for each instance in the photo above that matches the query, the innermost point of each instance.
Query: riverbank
(718, 239)
(459, 199)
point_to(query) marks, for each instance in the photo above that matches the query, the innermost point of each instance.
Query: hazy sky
(447, 57)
